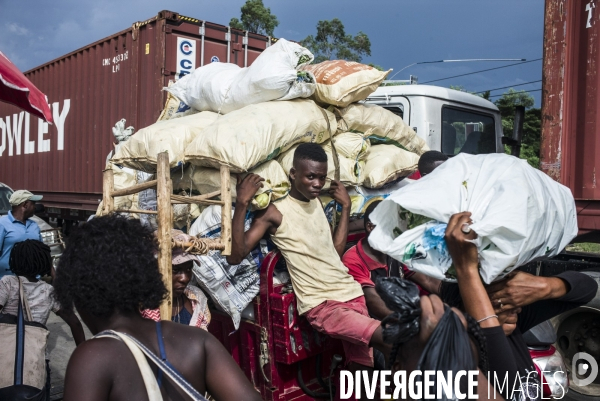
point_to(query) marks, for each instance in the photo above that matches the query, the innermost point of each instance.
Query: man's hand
(520, 289)
(463, 252)
(339, 194)
(247, 188)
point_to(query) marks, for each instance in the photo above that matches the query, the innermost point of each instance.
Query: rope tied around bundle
(196, 246)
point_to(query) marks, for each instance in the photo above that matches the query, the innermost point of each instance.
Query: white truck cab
(450, 121)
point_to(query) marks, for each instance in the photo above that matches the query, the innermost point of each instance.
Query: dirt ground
(60, 347)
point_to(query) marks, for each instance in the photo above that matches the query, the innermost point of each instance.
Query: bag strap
(23, 299)
(336, 163)
(147, 375)
(132, 344)
(20, 340)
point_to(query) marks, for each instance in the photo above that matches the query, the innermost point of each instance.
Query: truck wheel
(579, 331)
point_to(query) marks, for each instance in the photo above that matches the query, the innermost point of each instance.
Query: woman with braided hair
(29, 260)
(428, 335)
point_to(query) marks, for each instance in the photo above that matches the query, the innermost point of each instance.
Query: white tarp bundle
(518, 212)
(225, 87)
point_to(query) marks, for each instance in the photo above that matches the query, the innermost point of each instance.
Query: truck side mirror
(517, 137)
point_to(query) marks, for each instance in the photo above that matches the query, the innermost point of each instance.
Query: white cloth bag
(519, 214)
(224, 87)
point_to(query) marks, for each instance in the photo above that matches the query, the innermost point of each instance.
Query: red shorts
(350, 322)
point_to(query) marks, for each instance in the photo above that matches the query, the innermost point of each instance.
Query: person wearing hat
(17, 226)
(190, 305)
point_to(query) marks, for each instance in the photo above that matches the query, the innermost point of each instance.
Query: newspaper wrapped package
(172, 136)
(518, 213)
(341, 82)
(175, 108)
(245, 138)
(232, 288)
(361, 198)
(225, 87)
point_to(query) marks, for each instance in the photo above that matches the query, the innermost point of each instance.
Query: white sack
(519, 214)
(257, 133)
(387, 163)
(341, 82)
(380, 126)
(225, 87)
(206, 180)
(172, 136)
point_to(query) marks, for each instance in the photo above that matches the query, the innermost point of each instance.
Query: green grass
(584, 247)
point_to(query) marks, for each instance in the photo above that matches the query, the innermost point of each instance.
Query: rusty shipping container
(92, 88)
(570, 148)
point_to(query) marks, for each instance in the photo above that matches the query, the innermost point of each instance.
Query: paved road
(60, 346)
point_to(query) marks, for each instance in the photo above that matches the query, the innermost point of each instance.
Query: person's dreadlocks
(30, 258)
(475, 332)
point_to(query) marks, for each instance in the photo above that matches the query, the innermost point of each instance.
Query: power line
(533, 90)
(510, 86)
(477, 72)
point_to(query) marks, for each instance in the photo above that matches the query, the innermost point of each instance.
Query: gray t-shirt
(39, 296)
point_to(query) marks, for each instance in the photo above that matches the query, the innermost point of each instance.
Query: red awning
(16, 89)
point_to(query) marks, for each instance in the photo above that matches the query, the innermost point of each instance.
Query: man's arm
(76, 328)
(2, 236)
(429, 284)
(340, 195)
(521, 289)
(375, 304)
(244, 242)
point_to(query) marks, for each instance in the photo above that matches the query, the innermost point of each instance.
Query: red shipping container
(92, 88)
(570, 148)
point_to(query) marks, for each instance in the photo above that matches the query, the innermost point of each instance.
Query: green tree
(256, 18)
(532, 124)
(485, 95)
(331, 42)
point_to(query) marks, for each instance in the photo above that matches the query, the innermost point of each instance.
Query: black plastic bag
(401, 297)
(448, 349)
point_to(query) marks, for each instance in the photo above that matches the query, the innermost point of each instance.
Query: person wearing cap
(17, 226)
(190, 305)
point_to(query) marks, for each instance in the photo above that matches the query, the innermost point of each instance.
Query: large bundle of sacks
(252, 120)
(519, 215)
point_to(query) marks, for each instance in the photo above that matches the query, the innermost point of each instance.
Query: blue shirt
(11, 232)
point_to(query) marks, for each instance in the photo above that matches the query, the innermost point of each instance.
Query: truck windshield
(4, 196)
(467, 132)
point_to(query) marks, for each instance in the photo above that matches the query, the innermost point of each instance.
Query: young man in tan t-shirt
(326, 294)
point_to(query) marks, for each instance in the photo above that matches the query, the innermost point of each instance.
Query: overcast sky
(402, 32)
